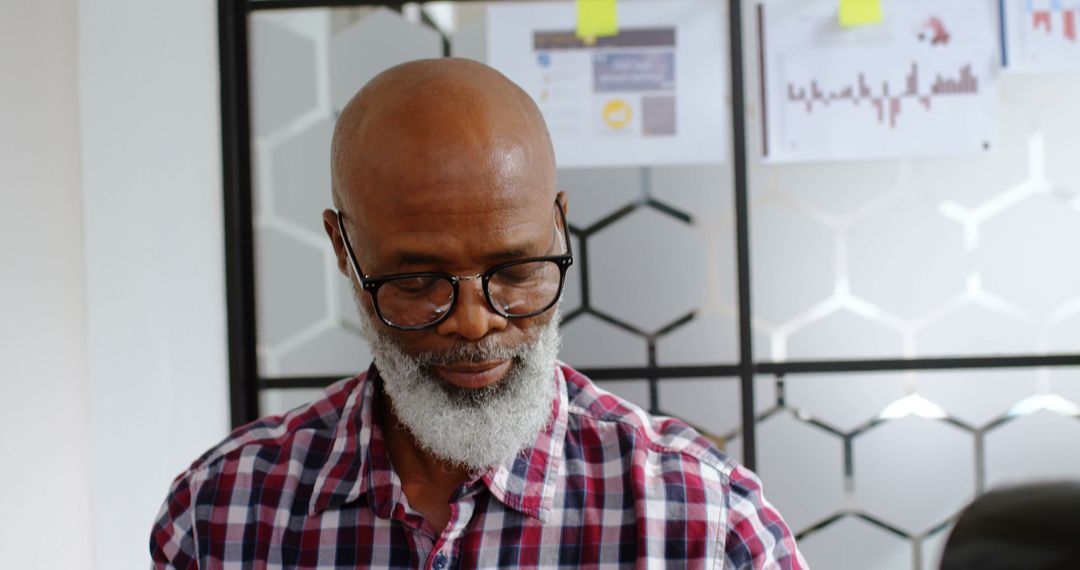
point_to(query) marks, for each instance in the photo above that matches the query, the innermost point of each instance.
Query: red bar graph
(1044, 20)
(888, 105)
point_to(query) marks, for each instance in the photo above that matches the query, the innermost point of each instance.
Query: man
(465, 444)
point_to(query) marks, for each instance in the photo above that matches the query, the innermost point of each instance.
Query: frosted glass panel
(711, 337)
(1065, 382)
(591, 342)
(377, 40)
(766, 403)
(908, 273)
(861, 337)
(655, 244)
(648, 269)
(712, 405)
(335, 350)
(912, 449)
(291, 278)
(802, 468)
(979, 397)
(925, 257)
(282, 71)
(636, 391)
(856, 544)
(596, 193)
(971, 328)
(933, 546)
(1065, 334)
(793, 261)
(703, 190)
(299, 179)
(655, 271)
(1043, 445)
(914, 472)
(844, 401)
(279, 401)
(856, 260)
(305, 66)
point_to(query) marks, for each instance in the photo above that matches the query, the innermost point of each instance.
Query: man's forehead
(463, 195)
(445, 157)
(445, 167)
(475, 212)
(404, 235)
(444, 124)
(466, 186)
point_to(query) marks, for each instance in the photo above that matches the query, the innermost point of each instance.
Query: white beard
(471, 428)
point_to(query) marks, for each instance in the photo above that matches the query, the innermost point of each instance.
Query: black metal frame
(239, 231)
(244, 381)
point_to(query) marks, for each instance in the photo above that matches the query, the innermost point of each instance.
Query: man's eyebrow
(525, 250)
(416, 258)
(407, 258)
(507, 254)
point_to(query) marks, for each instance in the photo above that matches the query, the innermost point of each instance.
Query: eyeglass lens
(517, 290)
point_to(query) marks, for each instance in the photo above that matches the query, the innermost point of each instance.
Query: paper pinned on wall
(859, 12)
(1041, 36)
(597, 19)
(921, 84)
(655, 93)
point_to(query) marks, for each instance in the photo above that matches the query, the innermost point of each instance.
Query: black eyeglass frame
(372, 284)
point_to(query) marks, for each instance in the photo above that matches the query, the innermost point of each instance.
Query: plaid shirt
(604, 485)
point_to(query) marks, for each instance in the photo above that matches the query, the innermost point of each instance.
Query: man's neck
(410, 460)
(428, 481)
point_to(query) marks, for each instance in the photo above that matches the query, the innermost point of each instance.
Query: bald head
(446, 166)
(442, 165)
(448, 117)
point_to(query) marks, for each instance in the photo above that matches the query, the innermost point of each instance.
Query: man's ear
(330, 224)
(563, 202)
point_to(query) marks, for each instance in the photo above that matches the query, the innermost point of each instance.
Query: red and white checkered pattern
(604, 485)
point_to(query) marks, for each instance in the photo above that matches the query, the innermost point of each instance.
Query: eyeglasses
(515, 289)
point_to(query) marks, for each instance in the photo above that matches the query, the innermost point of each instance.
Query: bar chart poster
(1041, 36)
(919, 84)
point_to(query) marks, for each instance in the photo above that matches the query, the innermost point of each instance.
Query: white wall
(154, 257)
(112, 328)
(43, 419)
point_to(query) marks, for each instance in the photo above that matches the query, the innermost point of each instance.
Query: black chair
(1029, 527)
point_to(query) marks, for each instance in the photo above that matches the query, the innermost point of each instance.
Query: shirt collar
(527, 482)
(342, 477)
(358, 462)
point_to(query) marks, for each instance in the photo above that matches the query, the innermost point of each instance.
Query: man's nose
(472, 317)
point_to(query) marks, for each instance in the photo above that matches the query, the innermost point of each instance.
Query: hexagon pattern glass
(958, 257)
(880, 259)
(914, 472)
(678, 307)
(306, 64)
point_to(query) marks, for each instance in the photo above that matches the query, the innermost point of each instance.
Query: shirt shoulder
(319, 418)
(749, 532)
(658, 434)
(275, 456)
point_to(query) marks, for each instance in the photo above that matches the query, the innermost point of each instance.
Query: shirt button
(440, 561)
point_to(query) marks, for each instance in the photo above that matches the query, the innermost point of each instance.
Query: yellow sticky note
(859, 12)
(596, 19)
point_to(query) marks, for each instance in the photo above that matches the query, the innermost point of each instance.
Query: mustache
(471, 353)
